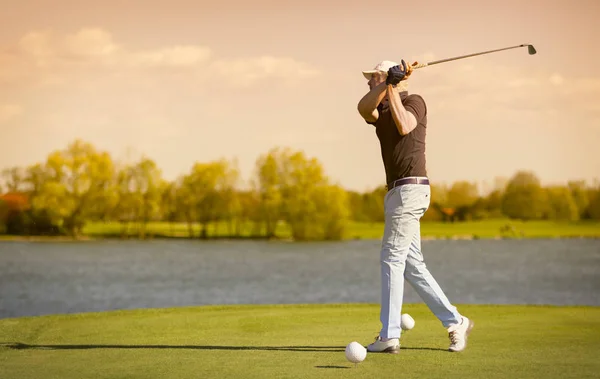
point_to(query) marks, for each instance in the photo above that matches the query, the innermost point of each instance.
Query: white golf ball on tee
(355, 352)
(407, 322)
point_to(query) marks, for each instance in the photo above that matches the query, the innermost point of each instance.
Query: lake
(38, 278)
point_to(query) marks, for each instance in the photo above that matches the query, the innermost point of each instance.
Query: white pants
(401, 258)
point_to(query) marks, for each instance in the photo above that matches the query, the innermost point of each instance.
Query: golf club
(530, 49)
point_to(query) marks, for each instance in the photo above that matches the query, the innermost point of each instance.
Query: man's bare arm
(405, 120)
(367, 106)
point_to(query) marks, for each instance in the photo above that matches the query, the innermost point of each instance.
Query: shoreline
(95, 238)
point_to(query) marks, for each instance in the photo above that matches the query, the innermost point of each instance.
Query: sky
(181, 82)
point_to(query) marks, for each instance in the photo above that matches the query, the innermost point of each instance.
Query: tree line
(81, 184)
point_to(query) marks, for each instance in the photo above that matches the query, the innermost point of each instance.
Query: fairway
(298, 341)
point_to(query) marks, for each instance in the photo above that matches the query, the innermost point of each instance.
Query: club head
(531, 49)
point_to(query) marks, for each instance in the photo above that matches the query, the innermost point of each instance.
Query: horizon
(230, 81)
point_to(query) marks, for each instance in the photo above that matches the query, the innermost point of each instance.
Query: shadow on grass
(332, 367)
(325, 349)
(23, 346)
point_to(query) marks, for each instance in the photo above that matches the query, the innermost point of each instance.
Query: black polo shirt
(402, 156)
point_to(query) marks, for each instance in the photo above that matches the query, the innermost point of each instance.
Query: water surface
(38, 278)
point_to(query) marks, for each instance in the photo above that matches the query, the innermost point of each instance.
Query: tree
(3, 216)
(123, 201)
(462, 194)
(205, 186)
(332, 223)
(373, 204)
(185, 201)
(561, 205)
(580, 193)
(461, 197)
(439, 210)
(249, 208)
(594, 205)
(78, 179)
(15, 213)
(168, 203)
(312, 207)
(227, 186)
(35, 179)
(355, 203)
(524, 198)
(14, 179)
(147, 182)
(493, 203)
(267, 187)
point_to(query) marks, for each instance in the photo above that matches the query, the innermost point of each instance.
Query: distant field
(356, 230)
(298, 341)
(474, 229)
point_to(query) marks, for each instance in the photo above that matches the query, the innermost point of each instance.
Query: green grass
(298, 341)
(356, 230)
(529, 229)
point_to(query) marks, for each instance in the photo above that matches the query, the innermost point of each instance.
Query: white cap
(382, 66)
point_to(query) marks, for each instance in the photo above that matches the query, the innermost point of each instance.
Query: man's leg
(426, 286)
(401, 223)
(417, 274)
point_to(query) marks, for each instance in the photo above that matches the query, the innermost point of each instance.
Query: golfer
(400, 122)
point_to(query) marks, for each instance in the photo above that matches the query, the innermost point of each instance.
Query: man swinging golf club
(400, 122)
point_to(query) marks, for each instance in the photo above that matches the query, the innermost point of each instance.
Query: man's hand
(398, 73)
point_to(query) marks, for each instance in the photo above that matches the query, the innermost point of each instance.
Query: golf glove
(399, 73)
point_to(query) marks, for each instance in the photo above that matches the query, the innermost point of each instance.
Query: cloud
(245, 72)
(177, 56)
(91, 42)
(37, 46)
(45, 57)
(9, 111)
(94, 46)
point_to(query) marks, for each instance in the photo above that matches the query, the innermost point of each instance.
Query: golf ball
(407, 322)
(355, 352)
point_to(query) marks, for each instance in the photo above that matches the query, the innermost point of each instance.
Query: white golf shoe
(458, 334)
(391, 346)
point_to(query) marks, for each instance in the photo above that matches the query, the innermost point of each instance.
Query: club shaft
(472, 55)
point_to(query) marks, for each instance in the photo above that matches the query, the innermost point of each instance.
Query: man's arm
(405, 121)
(367, 106)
